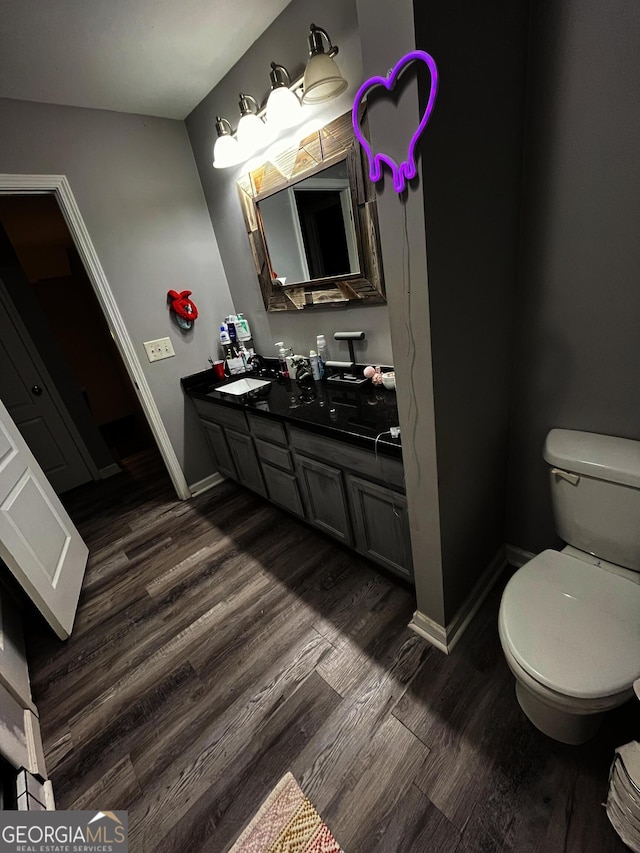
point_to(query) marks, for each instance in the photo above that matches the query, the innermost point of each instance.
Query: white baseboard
(207, 483)
(49, 799)
(430, 631)
(34, 744)
(109, 471)
(517, 557)
(445, 638)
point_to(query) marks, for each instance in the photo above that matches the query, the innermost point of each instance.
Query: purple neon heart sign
(406, 170)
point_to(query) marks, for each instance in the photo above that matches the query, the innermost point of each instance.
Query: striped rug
(286, 823)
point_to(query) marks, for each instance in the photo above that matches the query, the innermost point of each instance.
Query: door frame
(59, 186)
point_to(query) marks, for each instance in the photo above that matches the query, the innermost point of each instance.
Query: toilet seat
(572, 627)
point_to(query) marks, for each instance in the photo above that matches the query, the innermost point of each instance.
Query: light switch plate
(159, 349)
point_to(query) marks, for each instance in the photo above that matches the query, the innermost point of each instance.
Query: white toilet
(569, 621)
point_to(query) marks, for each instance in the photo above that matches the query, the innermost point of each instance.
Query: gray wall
(137, 188)
(577, 342)
(285, 42)
(387, 33)
(471, 168)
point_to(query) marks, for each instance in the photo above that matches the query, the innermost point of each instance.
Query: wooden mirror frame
(321, 149)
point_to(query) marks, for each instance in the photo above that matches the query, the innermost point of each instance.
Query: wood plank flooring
(220, 642)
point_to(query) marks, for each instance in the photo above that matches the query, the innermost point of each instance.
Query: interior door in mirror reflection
(317, 213)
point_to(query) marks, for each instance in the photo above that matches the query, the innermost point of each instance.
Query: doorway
(56, 303)
(59, 187)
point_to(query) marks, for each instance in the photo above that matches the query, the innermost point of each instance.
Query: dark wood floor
(220, 643)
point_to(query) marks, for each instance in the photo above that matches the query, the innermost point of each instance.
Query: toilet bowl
(569, 622)
(570, 634)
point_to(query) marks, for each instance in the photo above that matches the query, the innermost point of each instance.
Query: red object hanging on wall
(184, 309)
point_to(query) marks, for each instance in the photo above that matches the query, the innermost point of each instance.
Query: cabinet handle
(574, 479)
(37, 390)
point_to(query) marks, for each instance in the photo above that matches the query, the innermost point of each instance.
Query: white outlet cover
(159, 349)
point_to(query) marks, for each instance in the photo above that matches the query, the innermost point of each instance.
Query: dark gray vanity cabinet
(277, 464)
(381, 524)
(283, 489)
(325, 497)
(348, 492)
(244, 455)
(219, 448)
(357, 496)
(231, 444)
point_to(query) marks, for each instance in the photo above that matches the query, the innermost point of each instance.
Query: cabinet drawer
(273, 454)
(283, 489)
(221, 415)
(384, 469)
(268, 430)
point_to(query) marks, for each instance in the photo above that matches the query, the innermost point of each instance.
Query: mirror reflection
(309, 228)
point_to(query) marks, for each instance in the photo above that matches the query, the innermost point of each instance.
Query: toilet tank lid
(604, 457)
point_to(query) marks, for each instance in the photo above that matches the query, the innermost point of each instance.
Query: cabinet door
(325, 498)
(283, 489)
(381, 525)
(246, 461)
(220, 449)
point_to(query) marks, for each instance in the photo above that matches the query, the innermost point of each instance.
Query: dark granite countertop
(354, 415)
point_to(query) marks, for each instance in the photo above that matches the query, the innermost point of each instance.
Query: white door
(38, 541)
(30, 396)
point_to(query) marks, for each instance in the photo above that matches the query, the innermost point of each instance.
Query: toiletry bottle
(282, 359)
(243, 331)
(315, 364)
(224, 335)
(244, 355)
(323, 355)
(231, 328)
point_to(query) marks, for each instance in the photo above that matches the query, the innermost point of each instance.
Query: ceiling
(156, 57)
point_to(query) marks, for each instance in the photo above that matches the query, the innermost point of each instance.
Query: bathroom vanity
(322, 453)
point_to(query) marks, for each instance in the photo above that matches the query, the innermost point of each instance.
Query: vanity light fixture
(227, 151)
(283, 107)
(322, 78)
(252, 133)
(258, 126)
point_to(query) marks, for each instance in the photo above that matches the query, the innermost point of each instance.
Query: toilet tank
(595, 488)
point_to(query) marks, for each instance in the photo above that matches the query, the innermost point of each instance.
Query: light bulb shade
(226, 152)
(283, 109)
(322, 80)
(252, 133)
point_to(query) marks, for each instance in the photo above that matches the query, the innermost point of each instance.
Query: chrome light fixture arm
(315, 42)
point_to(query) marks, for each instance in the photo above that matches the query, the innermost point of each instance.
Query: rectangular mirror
(312, 224)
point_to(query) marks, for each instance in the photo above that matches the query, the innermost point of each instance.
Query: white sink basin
(243, 386)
